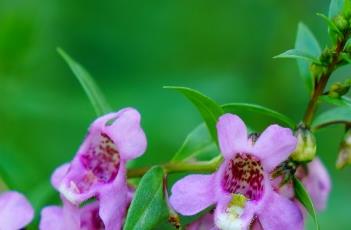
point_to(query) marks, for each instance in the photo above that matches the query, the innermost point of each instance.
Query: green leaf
(331, 24)
(148, 206)
(306, 41)
(335, 8)
(298, 54)
(333, 116)
(342, 101)
(92, 90)
(198, 143)
(305, 199)
(208, 108)
(239, 107)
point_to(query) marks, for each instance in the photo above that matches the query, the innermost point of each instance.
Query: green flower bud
(316, 70)
(341, 23)
(306, 145)
(344, 157)
(339, 89)
(327, 55)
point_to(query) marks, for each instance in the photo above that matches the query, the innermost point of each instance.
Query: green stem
(177, 167)
(321, 84)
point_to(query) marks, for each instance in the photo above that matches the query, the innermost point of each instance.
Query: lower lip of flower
(244, 175)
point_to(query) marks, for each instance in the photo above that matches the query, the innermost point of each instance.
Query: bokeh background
(133, 48)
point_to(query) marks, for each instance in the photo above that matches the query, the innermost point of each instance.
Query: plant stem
(321, 84)
(177, 167)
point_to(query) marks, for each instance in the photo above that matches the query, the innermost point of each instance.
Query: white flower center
(230, 218)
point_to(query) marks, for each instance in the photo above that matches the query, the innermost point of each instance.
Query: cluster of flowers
(95, 193)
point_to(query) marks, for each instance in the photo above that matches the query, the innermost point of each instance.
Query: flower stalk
(178, 167)
(323, 80)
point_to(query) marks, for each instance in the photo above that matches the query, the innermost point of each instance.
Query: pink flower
(317, 182)
(15, 211)
(241, 188)
(71, 217)
(99, 168)
(203, 223)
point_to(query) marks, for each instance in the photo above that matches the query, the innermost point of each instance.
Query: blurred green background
(133, 48)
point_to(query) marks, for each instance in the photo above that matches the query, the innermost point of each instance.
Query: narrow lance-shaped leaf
(331, 24)
(333, 116)
(208, 108)
(197, 144)
(90, 87)
(239, 107)
(305, 199)
(297, 54)
(148, 207)
(306, 41)
(340, 101)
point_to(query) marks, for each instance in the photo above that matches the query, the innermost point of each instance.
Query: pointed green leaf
(306, 41)
(331, 24)
(335, 8)
(148, 206)
(208, 108)
(197, 144)
(342, 101)
(333, 116)
(92, 90)
(238, 107)
(297, 54)
(305, 199)
(346, 57)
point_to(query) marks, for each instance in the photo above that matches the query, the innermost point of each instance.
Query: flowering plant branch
(244, 179)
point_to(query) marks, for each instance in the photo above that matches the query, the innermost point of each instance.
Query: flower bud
(344, 157)
(339, 89)
(316, 69)
(306, 145)
(341, 23)
(327, 55)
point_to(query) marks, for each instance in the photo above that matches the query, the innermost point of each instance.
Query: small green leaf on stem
(208, 108)
(331, 24)
(339, 101)
(306, 41)
(339, 115)
(298, 54)
(305, 199)
(197, 143)
(90, 87)
(148, 207)
(239, 107)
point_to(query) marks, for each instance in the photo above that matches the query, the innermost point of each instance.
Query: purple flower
(241, 188)
(317, 182)
(203, 223)
(99, 168)
(71, 217)
(15, 211)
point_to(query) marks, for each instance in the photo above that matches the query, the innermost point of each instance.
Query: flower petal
(114, 202)
(127, 134)
(89, 217)
(193, 194)
(317, 183)
(206, 222)
(232, 135)
(52, 218)
(59, 174)
(15, 210)
(280, 213)
(274, 146)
